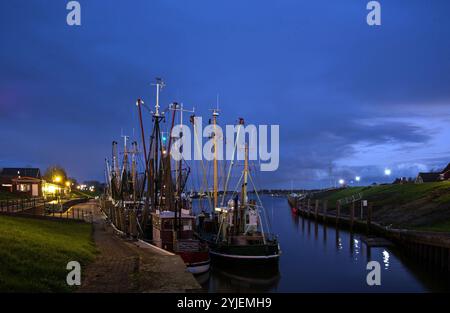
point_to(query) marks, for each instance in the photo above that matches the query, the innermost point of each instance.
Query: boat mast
(241, 208)
(133, 169)
(157, 117)
(115, 168)
(216, 175)
(244, 184)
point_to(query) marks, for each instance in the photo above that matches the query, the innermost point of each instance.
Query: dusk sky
(348, 96)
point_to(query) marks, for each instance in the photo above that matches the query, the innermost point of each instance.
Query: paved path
(127, 266)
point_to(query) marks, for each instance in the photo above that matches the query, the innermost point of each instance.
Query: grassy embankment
(34, 253)
(418, 206)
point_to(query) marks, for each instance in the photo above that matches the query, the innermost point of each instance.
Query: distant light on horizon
(357, 178)
(387, 172)
(341, 181)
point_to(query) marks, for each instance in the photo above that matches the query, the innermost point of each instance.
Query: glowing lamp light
(358, 178)
(68, 183)
(57, 179)
(341, 181)
(387, 172)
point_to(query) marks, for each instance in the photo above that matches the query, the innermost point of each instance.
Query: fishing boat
(239, 232)
(150, 203)
(171, 222)
(294, 202)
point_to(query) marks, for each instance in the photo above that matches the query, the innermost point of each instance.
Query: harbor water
(321, 258)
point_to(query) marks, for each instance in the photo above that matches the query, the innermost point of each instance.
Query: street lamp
(341, 182)
(387, 172)
(57, 179)
(358, 178)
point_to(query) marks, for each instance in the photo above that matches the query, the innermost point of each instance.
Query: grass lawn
(439, 227)
(392, 194)
(34, 253)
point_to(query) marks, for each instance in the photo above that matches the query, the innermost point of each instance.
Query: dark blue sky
(360, 98)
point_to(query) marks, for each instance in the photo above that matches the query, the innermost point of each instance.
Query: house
(428, 177)
(402, 181)
(21, 180)
(445, 174)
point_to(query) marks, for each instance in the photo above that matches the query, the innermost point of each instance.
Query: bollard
(325, 209)
(132, 220)
(309, 207)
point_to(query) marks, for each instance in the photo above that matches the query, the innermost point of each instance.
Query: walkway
(127, 266)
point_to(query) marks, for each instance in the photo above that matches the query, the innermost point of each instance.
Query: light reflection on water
(386, 259)
(321, 258)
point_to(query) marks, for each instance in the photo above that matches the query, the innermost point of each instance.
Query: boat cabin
(164, 228)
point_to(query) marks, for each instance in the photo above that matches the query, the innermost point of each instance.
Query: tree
(55, 174)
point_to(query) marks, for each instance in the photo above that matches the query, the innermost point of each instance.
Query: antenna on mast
(159, 85)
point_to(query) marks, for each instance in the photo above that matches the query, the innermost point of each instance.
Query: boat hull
(293, 204)
(250, 261)
(198, 268)
(197, 262)
(259, 255)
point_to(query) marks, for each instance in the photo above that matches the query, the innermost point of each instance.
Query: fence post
(316, 208)
(338, 212)
(352, 214)
(369, 216)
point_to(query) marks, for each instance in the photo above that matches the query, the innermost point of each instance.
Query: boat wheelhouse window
(167, 224)
(187, 222)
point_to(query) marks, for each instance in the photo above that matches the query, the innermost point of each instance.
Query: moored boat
(239, 233)
(194, 253)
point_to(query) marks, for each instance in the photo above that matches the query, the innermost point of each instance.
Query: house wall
(31, 189)
(446, 175)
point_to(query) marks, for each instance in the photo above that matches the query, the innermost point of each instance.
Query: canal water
(320, 258)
